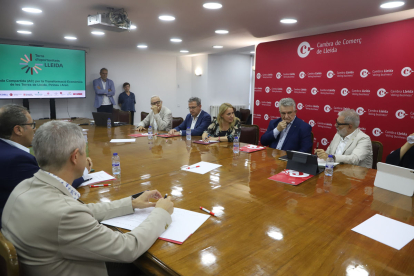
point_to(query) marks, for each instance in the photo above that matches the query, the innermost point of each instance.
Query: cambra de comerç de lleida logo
(30, 65)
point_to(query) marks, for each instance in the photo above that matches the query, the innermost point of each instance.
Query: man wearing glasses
(160, 117)
(349, 145)
(198, 120)
(288, 132)
(17, 130)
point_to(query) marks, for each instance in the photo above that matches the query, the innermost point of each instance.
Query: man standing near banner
(288, 132)
(104, 92)
(349, 145)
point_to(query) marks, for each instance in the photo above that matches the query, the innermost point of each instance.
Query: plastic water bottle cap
(115, 154)
(330, 156)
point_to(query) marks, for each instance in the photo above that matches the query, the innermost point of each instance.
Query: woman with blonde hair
(225, 127)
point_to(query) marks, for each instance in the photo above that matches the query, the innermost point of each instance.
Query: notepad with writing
(97, 177)
(291, 177)
(184, 223)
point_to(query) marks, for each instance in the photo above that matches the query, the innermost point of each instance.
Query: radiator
(214, 109)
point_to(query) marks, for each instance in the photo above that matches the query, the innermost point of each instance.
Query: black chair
(177, 121)
(143, 115)
(121, 116)
(249, 134)
(377, 149)
(244, 115)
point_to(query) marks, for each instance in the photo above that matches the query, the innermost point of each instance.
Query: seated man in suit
(160, 117)
(198, 120)
(104, 92)
(288, 132)
(349, 145)
(17, 129)
(53, 232)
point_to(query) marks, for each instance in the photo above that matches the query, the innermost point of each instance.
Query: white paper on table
(122, 140)
(184, 223)
(201, 167)
(96, 178)
(387, 231)
(322, 163)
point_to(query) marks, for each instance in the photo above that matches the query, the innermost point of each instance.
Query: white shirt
(75, 194)
(105, 100)
(17, 145)
(342, 144)
(155, 126)
(283, 134)
(193, 123)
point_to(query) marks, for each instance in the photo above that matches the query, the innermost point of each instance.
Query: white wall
(225, 78)
(229, 79)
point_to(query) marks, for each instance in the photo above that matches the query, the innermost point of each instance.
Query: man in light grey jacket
(53, 232)
(350, 145)
(160, 117)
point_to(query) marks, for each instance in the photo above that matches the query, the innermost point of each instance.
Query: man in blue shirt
(104, 92)
(126, 101)
(288, 132)
(198, 120)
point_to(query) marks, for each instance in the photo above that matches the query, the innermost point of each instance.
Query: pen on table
(100, 185)
(207, 211)
(165, 195)
(87, 179)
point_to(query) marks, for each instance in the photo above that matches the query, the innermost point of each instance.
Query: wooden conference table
(262, 227)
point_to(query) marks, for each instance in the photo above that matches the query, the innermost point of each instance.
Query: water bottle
(150, 132)
(236, 144)
(188, 133)
(410, 139)
(329, 166)
(116, 164)
(108, 123)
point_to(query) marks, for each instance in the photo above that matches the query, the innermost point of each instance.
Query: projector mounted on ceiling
(114, 20)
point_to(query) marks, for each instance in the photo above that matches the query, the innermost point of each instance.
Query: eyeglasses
(32, 124)
(156, 103)
(341, 124)
(192, 107)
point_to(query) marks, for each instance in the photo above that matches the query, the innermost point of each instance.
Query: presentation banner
(369, 70)
(37, 72)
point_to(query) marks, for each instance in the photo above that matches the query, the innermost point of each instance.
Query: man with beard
(349, 145)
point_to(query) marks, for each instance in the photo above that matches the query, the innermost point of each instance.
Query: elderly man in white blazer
(53, 232)
(349, 145)
(160, 117)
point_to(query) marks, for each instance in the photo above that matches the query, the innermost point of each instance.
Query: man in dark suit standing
(198, 120)
(104, 92)
(288, 132)
(17, 130)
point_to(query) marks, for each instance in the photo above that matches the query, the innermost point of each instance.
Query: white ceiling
(248, 21)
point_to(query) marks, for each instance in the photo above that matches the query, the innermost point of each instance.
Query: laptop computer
(101, 119)
(394, 178)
